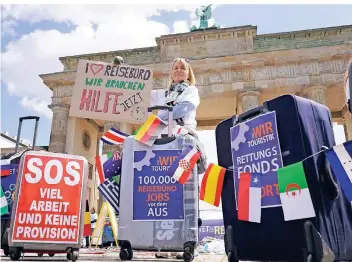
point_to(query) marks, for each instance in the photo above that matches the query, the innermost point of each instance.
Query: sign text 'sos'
(71, 168)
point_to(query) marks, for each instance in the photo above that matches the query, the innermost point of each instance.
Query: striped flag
(182, 167)
(4, 203)
(114, 136)
(250, 197)
(5, 170)
(87, 230)
(110, 190)
(150, 130)
(340, 159)
(211, 186)
(107, 166)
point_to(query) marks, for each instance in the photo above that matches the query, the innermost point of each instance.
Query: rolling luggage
(10, 162)
(304, 128)
(49, 204)
(156, 212)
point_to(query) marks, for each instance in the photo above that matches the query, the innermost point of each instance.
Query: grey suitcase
(150, 219)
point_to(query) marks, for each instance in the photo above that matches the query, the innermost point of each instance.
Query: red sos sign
(53, 169)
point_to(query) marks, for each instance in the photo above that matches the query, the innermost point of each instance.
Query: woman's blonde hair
(191, 79)
(346, 75)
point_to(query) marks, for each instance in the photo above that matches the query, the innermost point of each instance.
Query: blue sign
(8, 184)
(156, 195)
(255, 148)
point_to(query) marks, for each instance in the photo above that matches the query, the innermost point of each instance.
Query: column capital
(316, 93)
(63, 106)
(249, 99)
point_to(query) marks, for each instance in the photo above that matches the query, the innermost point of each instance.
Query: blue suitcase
(304, 128)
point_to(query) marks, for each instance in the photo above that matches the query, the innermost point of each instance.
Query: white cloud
(40, 106)
(180, 27)
(116, 27)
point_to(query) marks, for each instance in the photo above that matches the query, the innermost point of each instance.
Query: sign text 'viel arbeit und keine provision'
(111, 92)
(49, 203)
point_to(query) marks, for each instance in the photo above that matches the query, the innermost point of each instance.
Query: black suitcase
(304, 128)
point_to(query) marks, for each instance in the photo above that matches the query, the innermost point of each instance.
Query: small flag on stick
(182, 167)
(107, 165)
(4, 203)
(87, 230)
(110, 189)
(294, 192)
(249, 197)
(114, 136)
(150, 130)
(212, 182)
(340, 159)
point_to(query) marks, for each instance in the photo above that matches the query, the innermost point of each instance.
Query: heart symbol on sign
(96, 68)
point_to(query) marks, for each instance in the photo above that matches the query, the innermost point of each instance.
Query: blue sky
(33, 37)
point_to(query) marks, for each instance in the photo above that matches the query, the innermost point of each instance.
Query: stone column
(59, 127)
(348, 126)
(96, 194)
(250, 100)
(317, 94)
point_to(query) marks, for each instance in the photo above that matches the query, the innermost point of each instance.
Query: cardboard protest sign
(48, 206)
(111, 92)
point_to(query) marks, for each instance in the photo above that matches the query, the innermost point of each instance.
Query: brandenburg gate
(235, 69)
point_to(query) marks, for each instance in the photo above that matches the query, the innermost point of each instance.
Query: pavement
(112, 254)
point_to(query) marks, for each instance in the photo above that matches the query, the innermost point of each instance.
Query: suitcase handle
(20, 127)
(168, 108)
(251, 113)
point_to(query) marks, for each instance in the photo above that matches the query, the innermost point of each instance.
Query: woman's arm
(179, 111)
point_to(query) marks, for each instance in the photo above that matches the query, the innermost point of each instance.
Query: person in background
(93, 220)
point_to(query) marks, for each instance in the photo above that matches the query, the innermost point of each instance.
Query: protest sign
(105, 91)
(48, 205)
(212, 228)
(156, 195)
(256, 149)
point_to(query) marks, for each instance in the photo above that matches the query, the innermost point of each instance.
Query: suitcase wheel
(126, 254)
(6, 250)
(187, 255)
(15, 253)
(51, 254)
(40, 254)
(72, 254)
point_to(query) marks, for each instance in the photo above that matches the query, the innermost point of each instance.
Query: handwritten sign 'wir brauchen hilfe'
(111, 92)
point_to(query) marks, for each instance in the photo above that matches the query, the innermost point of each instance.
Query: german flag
(87, 231)
(150, 130)
(212, 182)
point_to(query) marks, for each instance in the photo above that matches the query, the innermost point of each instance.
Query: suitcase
(18, 244)
(8, 183)
(171, 222)
(304, 128)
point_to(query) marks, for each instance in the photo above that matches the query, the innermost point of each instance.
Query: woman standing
(182, 95)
